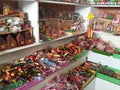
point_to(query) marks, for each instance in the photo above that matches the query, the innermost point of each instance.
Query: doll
(48, 62)
(118, 2)
(116, 19)
(102, 2)
(6, 9)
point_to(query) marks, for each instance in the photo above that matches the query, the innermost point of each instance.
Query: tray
(83, 53)
(116, 56)
(108, 78)
(101, 52)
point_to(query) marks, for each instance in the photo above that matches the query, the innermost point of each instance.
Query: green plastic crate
(101, 52)
(116, 56)
(14, 85)
(118, 49)
(83, 53)
(108, 78)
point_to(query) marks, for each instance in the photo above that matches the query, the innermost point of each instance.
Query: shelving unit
(6, 32)
(19, 52)
(102, 5)
(32, 8)
(107, 37)
(63, 3)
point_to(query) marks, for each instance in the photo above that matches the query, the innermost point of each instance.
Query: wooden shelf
(6, 32)
(66, 36)
(12, 15)
(6, 16)
(105, 20)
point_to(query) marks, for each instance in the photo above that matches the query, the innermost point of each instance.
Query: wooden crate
(3, 44)
(11, 42)
(20, 39)
(29, 39)
(53, 22)
(3, 47)
(66, 24)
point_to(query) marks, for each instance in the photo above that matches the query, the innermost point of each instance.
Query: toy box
(20, 39)
(11, 42)
(29, 39)
(3, 44)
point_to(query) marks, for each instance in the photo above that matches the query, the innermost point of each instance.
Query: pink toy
(102, 2)
(116, 20)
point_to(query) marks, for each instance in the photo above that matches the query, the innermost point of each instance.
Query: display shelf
(108, 78)
(64, 3)
(6, 32)
(105, 20)
(35, 82)
(101, 52)
(12, 15)
(19, 52)
(101, 84)
(104, 60)
(108, 37)
(64, 70)
(66, 36)
(105, 5)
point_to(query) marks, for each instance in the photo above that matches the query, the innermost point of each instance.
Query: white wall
(84, 11)
(32, 8)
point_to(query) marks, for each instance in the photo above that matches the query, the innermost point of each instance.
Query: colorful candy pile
(37, 65)
(91, 65)
(75, 79)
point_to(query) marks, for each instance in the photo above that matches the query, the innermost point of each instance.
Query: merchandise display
(14, 27)
(44, 62)
(53, 26)
(107, 22)
(106, 2)
(73, 45)
(91, 65)
(75, 79)
(39, 65)
(109, 74)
